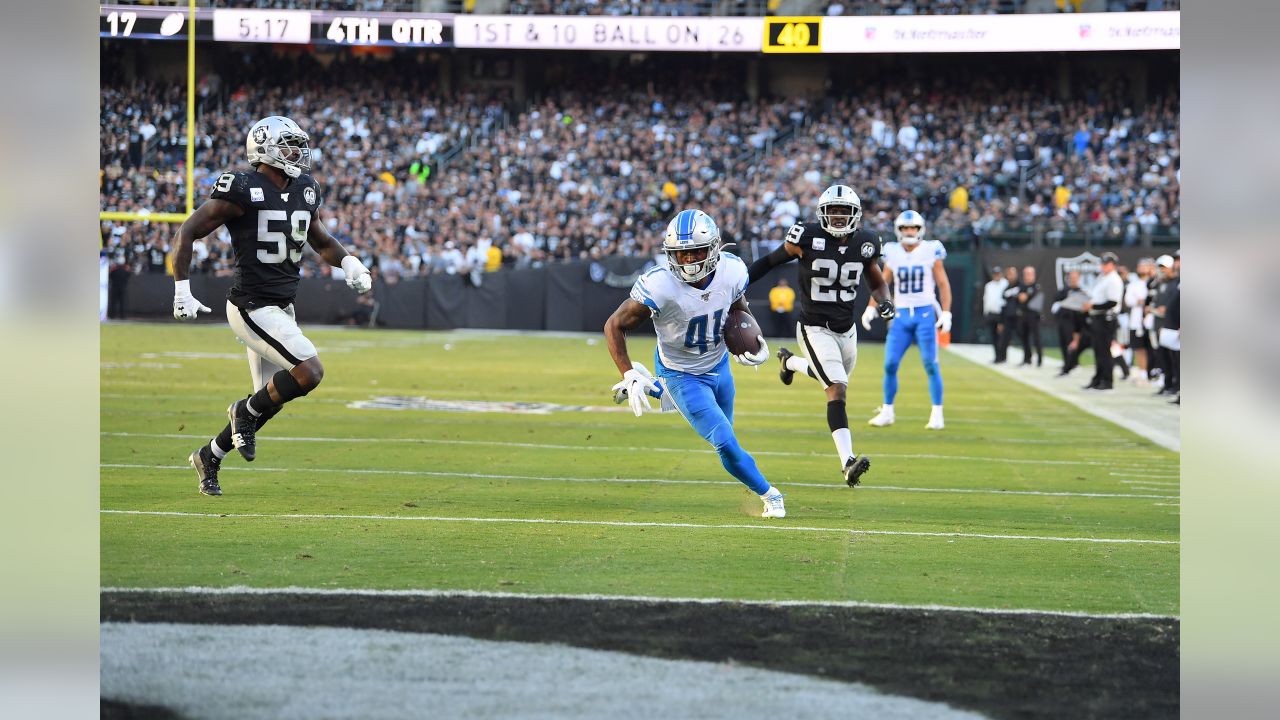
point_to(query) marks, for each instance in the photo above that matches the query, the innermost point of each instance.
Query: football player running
(270, 211)
(913, 268)
(689, 301)
(834, 254)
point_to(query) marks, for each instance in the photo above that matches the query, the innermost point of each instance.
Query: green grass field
(603, 502)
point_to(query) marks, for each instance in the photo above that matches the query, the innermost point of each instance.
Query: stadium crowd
(418, 182)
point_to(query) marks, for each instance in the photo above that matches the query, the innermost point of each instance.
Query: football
(742, 332)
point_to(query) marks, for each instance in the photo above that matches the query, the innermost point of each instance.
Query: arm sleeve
(761, 267)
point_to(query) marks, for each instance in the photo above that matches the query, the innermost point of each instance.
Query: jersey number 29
(277, 243)
(826, 273)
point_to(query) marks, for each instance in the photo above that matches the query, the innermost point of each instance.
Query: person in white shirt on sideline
(1103, 305)
(992, 305)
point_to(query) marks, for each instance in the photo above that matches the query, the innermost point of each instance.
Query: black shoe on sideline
(207, 467)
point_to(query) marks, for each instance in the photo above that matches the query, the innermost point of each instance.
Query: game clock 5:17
(281, 26)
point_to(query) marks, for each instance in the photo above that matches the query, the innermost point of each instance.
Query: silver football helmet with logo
(692, 230)
(839, 210)
(279, 142)
(909, 218)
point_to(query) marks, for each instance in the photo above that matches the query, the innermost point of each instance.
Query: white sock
(217, 451)
(844, 444)
(798, 364)
(887, 409)
(937, 410)
(771, 492)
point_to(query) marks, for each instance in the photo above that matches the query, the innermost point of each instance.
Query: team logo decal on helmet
(910, 218)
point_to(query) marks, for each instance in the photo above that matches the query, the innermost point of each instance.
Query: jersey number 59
(277, 243)
(826, 273)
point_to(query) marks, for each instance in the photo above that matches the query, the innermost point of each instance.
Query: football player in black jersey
(834, 254)
(271, 211)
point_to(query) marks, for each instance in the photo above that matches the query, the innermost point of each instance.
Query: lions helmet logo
(868, 250)
(309, 195)
(260, 135)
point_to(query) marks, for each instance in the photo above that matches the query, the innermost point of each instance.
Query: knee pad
(722, 437)
(287, 386)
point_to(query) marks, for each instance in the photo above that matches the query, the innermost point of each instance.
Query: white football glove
(944, 321)
(757, 358)
(867, 316)
(185, 305)
(358, 277)
(634, 388)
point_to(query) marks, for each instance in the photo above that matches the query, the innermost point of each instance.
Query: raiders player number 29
(834, 255)
(271, 212)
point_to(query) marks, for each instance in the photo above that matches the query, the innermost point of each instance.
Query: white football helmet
(910, 218)
(691, 230)
(279, 142)
(841, 224)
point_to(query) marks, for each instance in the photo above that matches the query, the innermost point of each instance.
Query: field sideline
(1023, 502)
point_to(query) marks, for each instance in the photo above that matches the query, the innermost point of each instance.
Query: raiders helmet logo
(260, 135)
(309, 195)
(868, 250)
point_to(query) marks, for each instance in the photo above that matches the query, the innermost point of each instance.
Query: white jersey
(914, 285)
(690, 321)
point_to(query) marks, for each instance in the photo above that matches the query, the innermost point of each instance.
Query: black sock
(224, 439)
(836, 416)
(264, 417)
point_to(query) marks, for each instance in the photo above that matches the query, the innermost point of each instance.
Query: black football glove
(885, 309)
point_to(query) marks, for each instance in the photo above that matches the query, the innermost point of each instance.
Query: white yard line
(647, 599)
(620, 523)
(1130, 407)
(663, 481)
(616, 448)
(1151, 482)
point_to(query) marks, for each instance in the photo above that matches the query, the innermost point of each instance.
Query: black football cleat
(785, 375)
(206, 466)
(243, 429)
(855, 468)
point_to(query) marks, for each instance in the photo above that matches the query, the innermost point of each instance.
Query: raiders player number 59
(834, 255)
(271, 212)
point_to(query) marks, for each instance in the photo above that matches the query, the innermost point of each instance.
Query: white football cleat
(935, 421)
(883, 418)
(773, 507)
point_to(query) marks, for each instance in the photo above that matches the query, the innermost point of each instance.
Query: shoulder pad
(233, 187)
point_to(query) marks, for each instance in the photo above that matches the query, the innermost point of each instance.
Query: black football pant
(1104, 331)
(1029, 331)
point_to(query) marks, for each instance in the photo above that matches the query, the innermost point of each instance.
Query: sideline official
(1103, 305)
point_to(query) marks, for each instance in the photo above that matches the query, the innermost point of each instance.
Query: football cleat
(855, 468)
(773, 507)
(243, 429)
(786, 375)
(206, 465)
(883, 418)
(935, 421)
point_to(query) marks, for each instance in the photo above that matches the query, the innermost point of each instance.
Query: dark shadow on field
(1004, 665)
(120, 710)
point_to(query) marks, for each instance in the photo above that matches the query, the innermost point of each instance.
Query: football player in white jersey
(689, 301)
(913, 268)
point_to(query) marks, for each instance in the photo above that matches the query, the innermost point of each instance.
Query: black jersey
(830, 269)
(268, 238)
